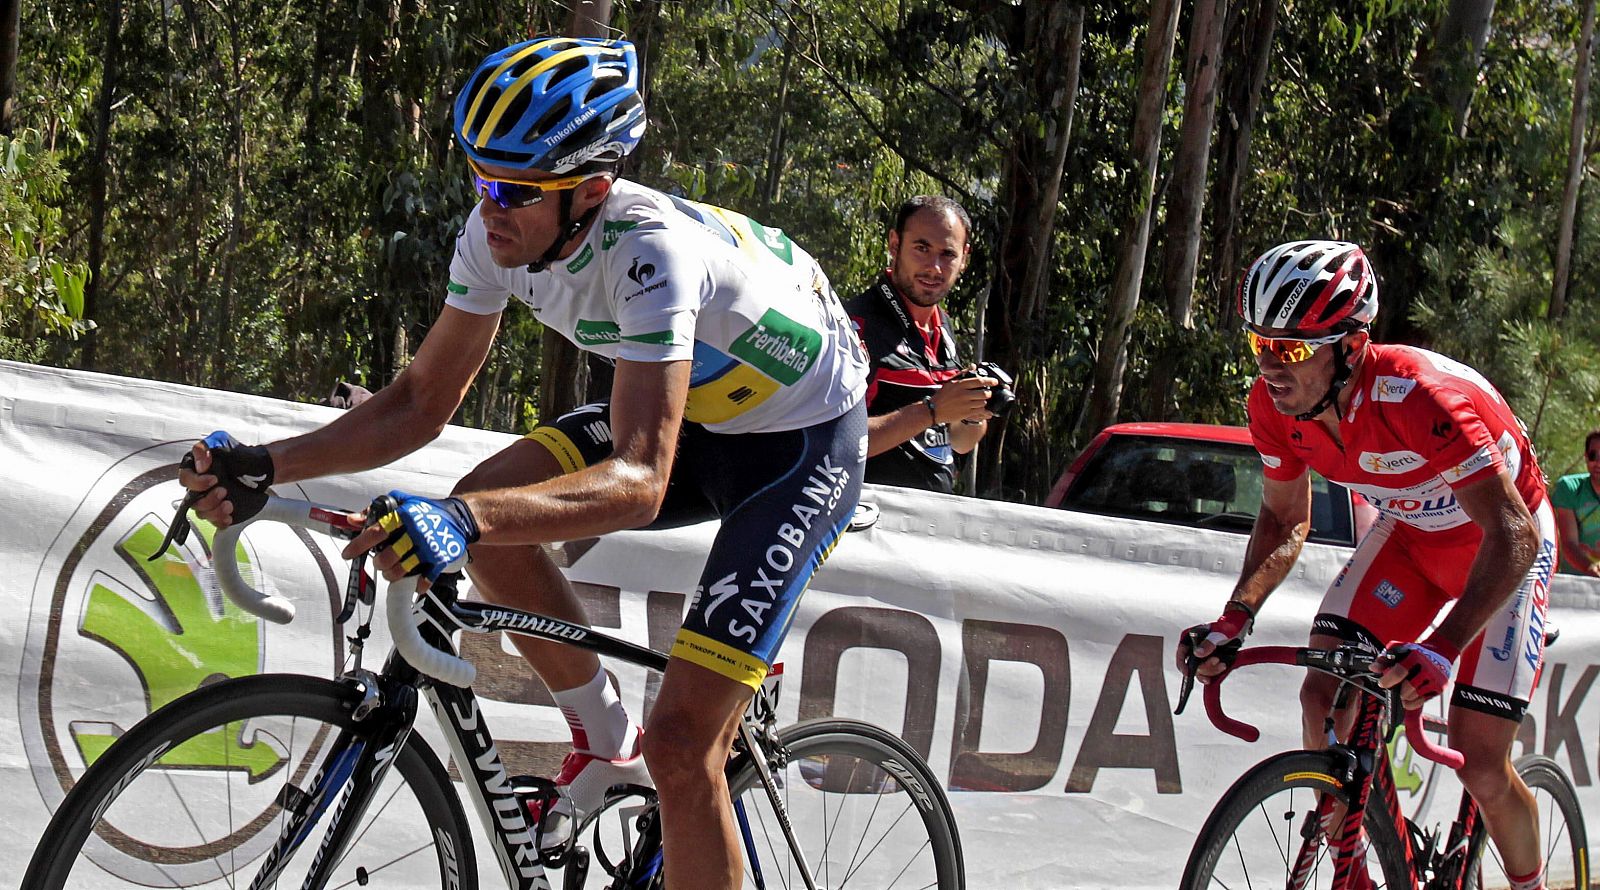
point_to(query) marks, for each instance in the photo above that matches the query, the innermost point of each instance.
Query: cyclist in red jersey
(1463, 519)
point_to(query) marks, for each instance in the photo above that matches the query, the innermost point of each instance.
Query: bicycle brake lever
(1191, 663)
(178, 528)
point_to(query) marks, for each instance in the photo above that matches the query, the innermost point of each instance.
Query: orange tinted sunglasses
(515, 193)
(1286, 349)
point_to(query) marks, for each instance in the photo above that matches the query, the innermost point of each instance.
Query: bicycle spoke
(372, 871)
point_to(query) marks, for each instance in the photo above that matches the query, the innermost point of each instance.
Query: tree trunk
(1249, 55)
(774, 178)
(1452, 65)
(563, 372)
(1105, 394)
(10, 26)
(98, 174)
(223, 364)
(1575, 156)
(1424, 130)
(1031, 196)
(1186, 191)
(590, 18)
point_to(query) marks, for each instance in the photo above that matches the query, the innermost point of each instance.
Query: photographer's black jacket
(902, 373)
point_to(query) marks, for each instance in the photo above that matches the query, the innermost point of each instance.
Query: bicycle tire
(274, 731)
(1230, 850)
(878, 780)
(1563, 837)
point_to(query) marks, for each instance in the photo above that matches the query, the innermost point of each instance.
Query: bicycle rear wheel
(1264, 831)
(865, 809)
(1563, 841)
(195, 795)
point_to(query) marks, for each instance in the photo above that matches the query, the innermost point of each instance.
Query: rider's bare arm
(397, 420)
(1275, 540)
(622, 491)
(1510, 543)
(401, 417)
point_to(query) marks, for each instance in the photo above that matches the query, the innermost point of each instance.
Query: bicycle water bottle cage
(539, 795)
(645, 848)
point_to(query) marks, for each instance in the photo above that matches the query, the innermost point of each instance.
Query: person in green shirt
(1577, 502)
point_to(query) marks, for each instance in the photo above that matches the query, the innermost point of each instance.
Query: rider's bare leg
(1317, 693)
(686, 748)
(1509, 811)
(524, 577)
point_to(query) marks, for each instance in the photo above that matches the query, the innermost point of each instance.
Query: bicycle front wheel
(865, 810)
(1563, 842)
(197, 794)
(1266, 832)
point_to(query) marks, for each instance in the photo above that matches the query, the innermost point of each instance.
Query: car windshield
(1192, 482)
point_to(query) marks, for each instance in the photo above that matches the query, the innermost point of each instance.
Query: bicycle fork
(758, 757)
(357, 765)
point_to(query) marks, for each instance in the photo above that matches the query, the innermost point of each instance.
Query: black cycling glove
(244, 470)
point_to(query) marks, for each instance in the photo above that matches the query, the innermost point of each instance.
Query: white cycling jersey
(659, 278)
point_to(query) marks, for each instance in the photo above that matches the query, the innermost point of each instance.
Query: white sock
(599, 724)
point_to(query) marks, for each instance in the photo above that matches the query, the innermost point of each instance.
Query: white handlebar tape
(276, 609)
(443, 666)
(224, 563)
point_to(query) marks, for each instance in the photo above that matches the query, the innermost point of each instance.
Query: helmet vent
(567, 69)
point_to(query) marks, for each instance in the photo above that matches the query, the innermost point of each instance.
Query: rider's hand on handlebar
(420, 536)
(1424, 668)
(233, 477)
(1208, 649)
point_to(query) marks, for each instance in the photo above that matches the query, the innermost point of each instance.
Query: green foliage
(283, 194)
(1490, 309)
(41, 286)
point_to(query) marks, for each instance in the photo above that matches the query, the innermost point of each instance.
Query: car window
(1197, 483)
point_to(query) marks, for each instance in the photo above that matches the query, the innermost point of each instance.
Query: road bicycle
(290, 780)
(1272, 828)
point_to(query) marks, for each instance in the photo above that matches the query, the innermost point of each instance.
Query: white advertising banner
(1025, 652)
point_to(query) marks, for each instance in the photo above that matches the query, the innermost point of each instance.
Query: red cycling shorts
(1400, 579)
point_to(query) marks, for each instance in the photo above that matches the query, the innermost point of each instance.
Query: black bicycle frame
(1367, 775)
(467, 735)
(366, 752)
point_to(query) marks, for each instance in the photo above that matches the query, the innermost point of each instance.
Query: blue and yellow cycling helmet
(555, 104)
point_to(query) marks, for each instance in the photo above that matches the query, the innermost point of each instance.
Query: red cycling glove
(1427, 665)
(1226, 634)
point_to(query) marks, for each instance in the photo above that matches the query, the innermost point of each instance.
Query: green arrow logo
(176, 642)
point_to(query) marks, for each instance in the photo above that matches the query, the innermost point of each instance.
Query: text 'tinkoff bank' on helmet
(554, 104)
(1310, 287)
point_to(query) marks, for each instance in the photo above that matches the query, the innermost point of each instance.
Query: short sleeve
(477, 284)
(1278, 462)
(657, 296)
(1443, 424)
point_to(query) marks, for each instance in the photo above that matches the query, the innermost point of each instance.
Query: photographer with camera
(924, 405)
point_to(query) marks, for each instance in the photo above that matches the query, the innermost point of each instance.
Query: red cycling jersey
(1418, 426)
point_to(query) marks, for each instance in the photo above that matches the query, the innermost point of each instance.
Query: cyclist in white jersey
(738, 392)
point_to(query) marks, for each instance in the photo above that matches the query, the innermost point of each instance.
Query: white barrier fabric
(1025, 651)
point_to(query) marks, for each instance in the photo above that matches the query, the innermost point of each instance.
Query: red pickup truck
(1193, 474)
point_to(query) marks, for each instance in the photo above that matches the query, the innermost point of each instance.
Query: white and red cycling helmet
(1311, 288)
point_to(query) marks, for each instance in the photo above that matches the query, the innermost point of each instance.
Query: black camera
(1001, 398)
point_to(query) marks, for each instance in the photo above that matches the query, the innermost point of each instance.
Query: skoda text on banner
(1025, 652)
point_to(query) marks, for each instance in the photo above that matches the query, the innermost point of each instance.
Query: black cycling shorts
(784, 499)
